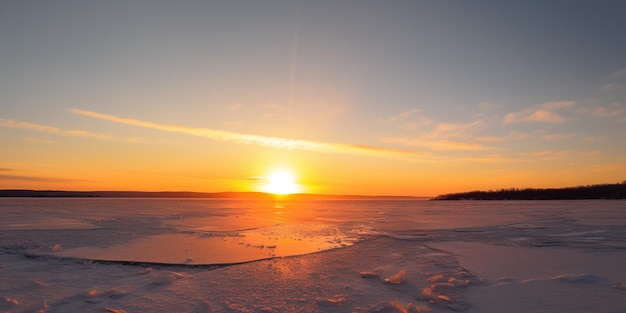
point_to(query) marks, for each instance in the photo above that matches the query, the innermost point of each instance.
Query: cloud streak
(618, 73)
(541, 113)
(9, 123)
(29, 126)
(40, 179)
(440, 145)
(603, 112)
(440, 137)
(258, 140)
(512, 136)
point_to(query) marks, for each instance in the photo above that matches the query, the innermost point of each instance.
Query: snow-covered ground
(168, 255)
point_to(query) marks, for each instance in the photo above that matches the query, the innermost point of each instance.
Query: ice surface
(493, 262)
(314, 256)
(47, 223)
(523, 279)
(222, 248)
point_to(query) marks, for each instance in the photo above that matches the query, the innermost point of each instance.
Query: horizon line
(199, 193)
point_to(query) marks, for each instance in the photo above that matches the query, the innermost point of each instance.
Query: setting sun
(281, 183)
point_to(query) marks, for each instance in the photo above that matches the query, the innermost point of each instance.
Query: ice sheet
(523, 279)
(47, 223)
(494, 262)
(370, 256)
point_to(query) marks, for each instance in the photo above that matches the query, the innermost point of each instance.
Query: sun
(280, 182)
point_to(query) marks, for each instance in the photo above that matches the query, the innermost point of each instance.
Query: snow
(43, 223)
(166, 255)
(555, 279)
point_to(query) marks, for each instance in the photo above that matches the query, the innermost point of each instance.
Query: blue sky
(499, 93)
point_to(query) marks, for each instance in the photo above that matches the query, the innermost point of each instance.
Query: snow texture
(317, 256)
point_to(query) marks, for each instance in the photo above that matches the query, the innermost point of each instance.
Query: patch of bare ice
(227, 248)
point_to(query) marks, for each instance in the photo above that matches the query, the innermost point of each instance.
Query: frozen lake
(179, 255)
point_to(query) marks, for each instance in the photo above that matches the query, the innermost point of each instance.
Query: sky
(350, 97)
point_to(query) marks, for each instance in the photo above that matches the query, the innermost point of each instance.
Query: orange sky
(351, 97)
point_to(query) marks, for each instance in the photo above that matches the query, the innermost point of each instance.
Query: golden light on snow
(281, 182)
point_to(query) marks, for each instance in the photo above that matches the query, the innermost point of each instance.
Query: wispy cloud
(455, 130)
(540, 113)
(604, 112)
(250, 139)
(550, 154)
(40, 179)
(86, 134)
(611, 87)
(613, 110)
(409, 120)
(30, 126)
(557, 136)
(441, 137)
(512, 136)
(402, 115)
(618, 73)
(440, 144)
(9, 123)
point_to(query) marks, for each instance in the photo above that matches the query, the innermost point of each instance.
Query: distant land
(604, 191)
(19, 193)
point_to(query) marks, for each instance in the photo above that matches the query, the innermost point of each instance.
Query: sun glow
(281, 183)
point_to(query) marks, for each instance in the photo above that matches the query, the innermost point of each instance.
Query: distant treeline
(604, 191)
